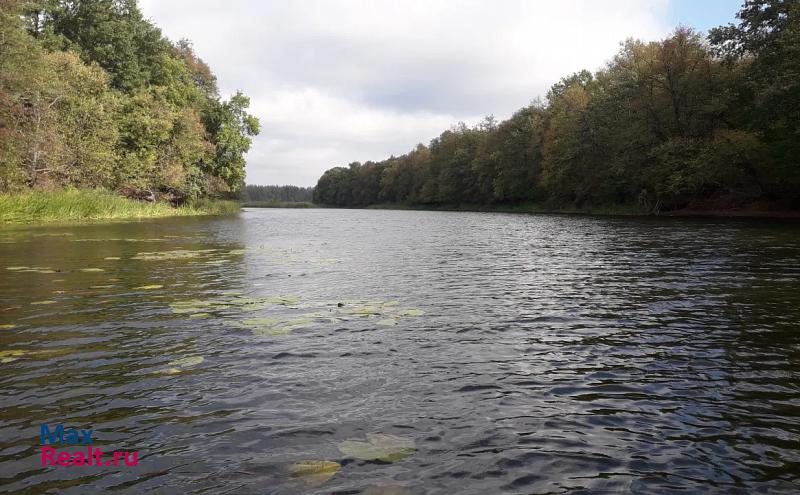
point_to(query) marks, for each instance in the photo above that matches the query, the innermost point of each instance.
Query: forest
(93, 96)
(689, 122)
(279, 194)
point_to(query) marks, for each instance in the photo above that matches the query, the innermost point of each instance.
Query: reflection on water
(319, 351)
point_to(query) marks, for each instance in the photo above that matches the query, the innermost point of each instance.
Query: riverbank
(278, 204)
(611, 210)
(76, 205)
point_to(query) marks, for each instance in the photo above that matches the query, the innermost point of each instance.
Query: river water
(414, 352)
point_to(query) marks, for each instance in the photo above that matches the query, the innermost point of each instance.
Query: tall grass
(81, 205)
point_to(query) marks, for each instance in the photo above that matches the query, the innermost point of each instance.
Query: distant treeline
(92, 95)
(685, 122)
(279, 194)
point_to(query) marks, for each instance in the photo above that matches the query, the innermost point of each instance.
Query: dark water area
(479, 353)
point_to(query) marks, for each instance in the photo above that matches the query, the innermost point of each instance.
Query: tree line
(685, 122)
(279, 194)
(92, 95)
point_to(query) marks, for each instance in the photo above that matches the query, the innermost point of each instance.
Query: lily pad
(92, 270)
(258, 322)
(379, 447)
(187, 362)
(271, 331)
(365, 310)
(44, 303)
(387, 322)
(200, 316)
(273, 327)
(31, 269)
(7, 326)
(176, 254)
(314, 472)
(191, 306)
(148, 287)
(12, 355)
(283, 300)
(112, 258)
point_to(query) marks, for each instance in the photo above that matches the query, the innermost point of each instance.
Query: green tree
(767, 41)
(231, 129)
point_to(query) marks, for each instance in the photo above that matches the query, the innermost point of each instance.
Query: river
(413, 352)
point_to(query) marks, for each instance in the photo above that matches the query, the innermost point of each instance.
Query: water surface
(519, 354)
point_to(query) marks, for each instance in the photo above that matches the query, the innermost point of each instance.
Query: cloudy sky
(335, 81)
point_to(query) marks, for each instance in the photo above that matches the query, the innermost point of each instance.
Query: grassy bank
(278, 204)
(75, 205)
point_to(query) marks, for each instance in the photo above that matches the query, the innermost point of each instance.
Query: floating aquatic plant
(30, 269)
(314, 472)
(15, 354)
(12, 355)
(149, 287)
(379, 447)
(92, 270)
(175, 254)
(274, 327)
(179, 365)
(187, 362)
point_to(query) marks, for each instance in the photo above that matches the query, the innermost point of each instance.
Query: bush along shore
(84, 205)
(94, 97)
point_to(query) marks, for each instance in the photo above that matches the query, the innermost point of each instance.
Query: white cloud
(335, 81)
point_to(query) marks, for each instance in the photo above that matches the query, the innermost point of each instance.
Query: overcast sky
(336, 81)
